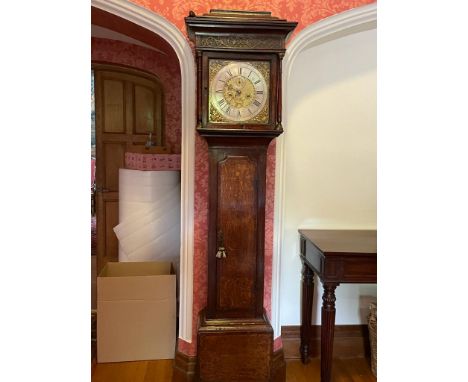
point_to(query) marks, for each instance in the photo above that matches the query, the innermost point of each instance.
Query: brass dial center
(239, 92)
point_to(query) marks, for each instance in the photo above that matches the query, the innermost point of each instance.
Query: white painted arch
(169, 32)
(333, 27)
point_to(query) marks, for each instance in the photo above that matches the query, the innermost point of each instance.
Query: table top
(342, 241)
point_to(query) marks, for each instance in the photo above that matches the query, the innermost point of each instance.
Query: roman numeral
(219, 91)
(238, 114)
(221, 102)
(256, 103)
(256, 82)
(249, 74)
(259, 91)
(228, 110)
(240, 70)
(229, 72)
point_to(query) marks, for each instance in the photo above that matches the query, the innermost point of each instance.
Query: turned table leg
(307, 299)
(328, 329)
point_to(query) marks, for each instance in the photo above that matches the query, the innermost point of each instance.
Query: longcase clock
(238, 57)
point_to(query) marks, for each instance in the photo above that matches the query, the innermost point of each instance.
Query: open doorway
(144, 28)
(136, 104)
(130, 119)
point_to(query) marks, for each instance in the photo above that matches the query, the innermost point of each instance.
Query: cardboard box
(136, 312)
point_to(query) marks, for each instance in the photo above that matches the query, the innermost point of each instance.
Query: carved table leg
(328, 329)
(307, 299)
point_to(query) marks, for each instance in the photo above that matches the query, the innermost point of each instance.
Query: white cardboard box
(136, 312)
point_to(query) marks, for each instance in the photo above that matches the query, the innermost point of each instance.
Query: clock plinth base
(235, 350)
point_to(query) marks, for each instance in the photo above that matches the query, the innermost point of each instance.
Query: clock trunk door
(236, 249)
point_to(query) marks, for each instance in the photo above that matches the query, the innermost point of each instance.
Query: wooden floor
(344, 370)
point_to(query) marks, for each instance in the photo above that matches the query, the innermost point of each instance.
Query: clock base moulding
(185, 368)
(236, 350)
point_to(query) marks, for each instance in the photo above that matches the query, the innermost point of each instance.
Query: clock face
(239, 91)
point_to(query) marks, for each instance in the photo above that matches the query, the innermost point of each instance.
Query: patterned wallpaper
(165, 67)
(305, 12)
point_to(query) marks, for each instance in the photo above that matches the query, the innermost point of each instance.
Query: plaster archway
(331, 28)
(165, 29)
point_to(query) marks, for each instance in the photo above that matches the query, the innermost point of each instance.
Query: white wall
(330, 162)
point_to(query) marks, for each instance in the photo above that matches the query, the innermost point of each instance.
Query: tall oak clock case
(239, 112)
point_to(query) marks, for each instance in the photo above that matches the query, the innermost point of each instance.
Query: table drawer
(346, 269)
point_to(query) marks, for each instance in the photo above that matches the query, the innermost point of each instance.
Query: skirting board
(184, 368)
(350, 341)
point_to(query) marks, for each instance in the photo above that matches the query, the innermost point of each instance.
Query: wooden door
(237, 219)
(128, 107)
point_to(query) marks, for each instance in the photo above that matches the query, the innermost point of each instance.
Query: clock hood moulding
(237, 30)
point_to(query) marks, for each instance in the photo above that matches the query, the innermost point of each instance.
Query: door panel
(128, 106)
(236, 223)
(114, 158)
(107, 244)
(111, 204)
(237, 227)
(114, 106)
(144, 109)
(148, 103)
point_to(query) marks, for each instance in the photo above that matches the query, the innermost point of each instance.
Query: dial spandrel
(239, 91)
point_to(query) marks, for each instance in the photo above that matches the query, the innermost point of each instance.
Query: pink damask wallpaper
(164, 66)
(305, 12)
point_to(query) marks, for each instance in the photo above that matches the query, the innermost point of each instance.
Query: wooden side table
(336, 256)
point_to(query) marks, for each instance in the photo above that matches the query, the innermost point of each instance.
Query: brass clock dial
(239, 92)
